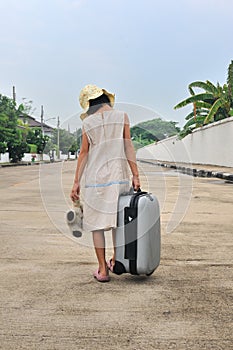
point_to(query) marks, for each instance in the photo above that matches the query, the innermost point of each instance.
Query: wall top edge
(211, 125)
(175, 137)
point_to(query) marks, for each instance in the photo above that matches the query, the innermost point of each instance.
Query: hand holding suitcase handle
(136, 182)
(133, 191)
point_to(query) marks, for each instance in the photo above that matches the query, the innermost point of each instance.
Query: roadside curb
(8, 165)
(193, 171)
(17, 164)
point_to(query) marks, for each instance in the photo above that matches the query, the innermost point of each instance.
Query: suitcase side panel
(149, 237)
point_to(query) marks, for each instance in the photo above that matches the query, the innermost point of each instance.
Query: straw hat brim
(92, 96)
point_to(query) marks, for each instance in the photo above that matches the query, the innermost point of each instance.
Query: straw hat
(90, 92)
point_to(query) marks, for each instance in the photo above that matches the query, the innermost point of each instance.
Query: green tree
(17, 146)
(73, 148)
(3, 132)
(152, 130)
(28, 108)
(78, 137)
(230, 83)
(36, 137)
(66, 140)
(8, 121)
(50, 146)
(12, 139)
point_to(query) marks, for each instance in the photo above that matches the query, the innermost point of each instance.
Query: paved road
(49, 299)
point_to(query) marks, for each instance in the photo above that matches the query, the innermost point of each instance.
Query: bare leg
(99, 243)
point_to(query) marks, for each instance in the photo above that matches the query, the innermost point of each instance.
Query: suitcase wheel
(119, 268)
(149, 274)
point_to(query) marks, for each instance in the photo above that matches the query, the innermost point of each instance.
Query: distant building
(33, 123)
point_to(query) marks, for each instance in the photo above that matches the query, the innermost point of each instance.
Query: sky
(145, 51)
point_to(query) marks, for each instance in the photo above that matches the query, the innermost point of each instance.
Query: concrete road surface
(49, 299)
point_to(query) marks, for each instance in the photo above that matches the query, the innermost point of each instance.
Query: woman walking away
(106, 154)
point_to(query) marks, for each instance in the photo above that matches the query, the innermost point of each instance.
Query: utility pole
(42, 126)
(58, 138)
(41, 120)
(14, 94)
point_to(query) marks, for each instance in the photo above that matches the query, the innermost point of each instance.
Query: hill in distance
(152, 131)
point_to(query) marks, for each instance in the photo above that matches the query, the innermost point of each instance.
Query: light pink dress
(107, 172)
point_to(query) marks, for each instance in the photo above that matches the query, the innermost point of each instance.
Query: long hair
(96, 103)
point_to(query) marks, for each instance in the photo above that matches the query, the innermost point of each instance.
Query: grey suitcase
(138, 234)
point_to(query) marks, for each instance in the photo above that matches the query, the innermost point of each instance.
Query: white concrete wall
(72, 156)
(63, 156)
(211, 144)
(28, 157)
(4, 158)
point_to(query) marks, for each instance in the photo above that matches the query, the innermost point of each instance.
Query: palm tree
(210, 105)
(214, 103)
